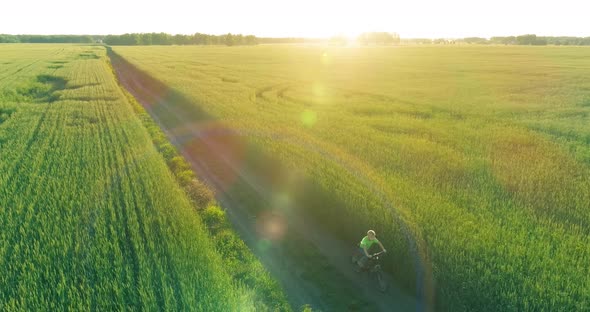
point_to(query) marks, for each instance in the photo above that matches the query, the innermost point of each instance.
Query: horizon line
(294, 37)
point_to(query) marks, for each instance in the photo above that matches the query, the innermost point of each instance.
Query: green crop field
(472, 163)
(91, 216)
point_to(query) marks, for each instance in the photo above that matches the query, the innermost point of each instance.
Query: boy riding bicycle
(365, 245)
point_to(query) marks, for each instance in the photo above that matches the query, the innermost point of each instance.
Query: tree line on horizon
(4, 38)
(370, 38)
(136, 39)
(167, 39)
(529, 39)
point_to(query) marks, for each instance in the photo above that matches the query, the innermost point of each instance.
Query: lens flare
(271, 226)
(309, 118)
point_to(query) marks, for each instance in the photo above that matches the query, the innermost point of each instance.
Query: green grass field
(472, 163)
(91, 215)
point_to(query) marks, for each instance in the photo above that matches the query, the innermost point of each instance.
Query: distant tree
(146, 39)
(130, 39)
(239, 39)
(530, 40)
(540, 41)
(503, 40)
(250, 40)
(182, 39)
(475, 40)
(9, 39)
(229, 40)
(161, 39)
(199, 38)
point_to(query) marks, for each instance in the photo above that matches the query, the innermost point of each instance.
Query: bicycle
(373, 267)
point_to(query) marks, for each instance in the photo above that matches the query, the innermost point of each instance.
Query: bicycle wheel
(381, 282)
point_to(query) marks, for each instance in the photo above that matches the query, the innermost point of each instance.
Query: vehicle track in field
(284, 263)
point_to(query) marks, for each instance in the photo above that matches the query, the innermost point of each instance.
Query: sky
(299, 18)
